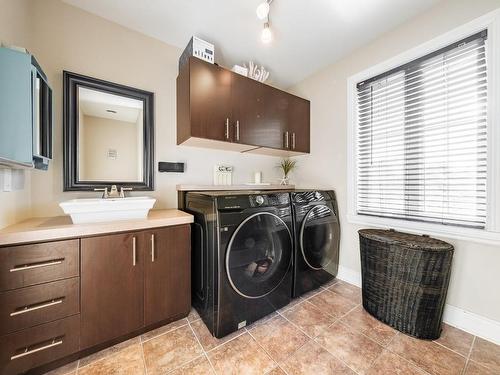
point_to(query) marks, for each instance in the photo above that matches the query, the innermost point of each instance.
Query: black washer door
(318, 237)
(259, 255)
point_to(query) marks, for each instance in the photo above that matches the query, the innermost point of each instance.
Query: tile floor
(324, 332)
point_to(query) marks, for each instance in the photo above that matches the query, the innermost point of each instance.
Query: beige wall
(101, 134)
(15, 30)
(66, 38)
(475, 275)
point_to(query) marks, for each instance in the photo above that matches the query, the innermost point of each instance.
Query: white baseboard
(473, 323)
(465, 320)
(349, 276)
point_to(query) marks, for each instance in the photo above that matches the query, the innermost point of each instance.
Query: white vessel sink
(95, 210)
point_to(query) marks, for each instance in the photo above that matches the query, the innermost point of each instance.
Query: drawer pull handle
(28, 350)
(42, 305)
(152, 248)
(25, 267)
(134, 251)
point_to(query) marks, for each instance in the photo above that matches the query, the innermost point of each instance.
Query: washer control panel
(242, 201)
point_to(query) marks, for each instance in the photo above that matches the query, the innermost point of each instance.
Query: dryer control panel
(243, 201)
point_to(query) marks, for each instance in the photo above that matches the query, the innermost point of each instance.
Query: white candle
(257, 178)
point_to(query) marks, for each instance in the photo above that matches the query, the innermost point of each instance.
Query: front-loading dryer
(317, 239)
(242, 252)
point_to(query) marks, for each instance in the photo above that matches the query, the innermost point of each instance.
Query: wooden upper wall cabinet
(217, 108)
(299, 114)
(210, 97)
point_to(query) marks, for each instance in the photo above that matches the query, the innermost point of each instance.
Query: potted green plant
(287, 166)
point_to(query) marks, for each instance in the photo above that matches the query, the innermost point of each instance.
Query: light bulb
(267, 35)
(263, 10)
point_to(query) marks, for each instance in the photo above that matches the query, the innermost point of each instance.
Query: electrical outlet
(7, 180)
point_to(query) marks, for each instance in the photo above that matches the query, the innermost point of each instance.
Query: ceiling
(100, 104)
(308, 34)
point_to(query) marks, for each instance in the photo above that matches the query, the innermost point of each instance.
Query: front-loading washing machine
(317, 239)
(242, 253)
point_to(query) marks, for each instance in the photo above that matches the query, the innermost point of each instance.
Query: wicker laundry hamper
(405, 280)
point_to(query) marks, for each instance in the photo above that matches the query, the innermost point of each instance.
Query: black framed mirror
(108, 135)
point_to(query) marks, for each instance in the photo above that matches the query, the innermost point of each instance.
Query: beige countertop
(61, 227)
(233, 187)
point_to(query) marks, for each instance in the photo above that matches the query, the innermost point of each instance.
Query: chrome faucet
(105, 194)
(123, 190)
(113, 193)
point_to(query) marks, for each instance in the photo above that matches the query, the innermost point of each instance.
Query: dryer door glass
(259, 255)
(319, 235)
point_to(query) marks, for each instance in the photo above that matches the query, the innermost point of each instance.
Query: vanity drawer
(27, 265)
(27, 307)
(39, 345)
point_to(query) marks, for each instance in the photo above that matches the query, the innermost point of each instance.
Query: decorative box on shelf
(198, 48)
(223, 175)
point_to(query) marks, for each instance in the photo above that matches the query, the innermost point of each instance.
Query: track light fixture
(267, 35)
(263, 10)
(263, 14)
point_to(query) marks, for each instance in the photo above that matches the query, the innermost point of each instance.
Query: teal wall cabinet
(16, 124)
(25, 111)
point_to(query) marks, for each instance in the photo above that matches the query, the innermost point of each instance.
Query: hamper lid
(413, 241)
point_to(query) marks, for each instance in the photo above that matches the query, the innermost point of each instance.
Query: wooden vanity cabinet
(26, 265)
(67, 298)
(133, 280)
(39, 304)
(112, 279)
(167, 282)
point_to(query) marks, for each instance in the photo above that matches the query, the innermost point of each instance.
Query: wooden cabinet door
(210, 100)
(112, 287)
(167, 273)
(260, 112)
(299, 124)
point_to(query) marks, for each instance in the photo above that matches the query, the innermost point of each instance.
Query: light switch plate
(7, 179)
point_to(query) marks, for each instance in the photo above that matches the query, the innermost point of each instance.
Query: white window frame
(491, 233)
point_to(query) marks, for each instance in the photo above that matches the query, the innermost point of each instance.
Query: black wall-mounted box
(164, 166)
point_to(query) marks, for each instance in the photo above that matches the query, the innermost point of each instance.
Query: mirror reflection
(110, 137)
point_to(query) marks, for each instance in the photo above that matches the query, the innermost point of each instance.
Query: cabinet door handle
(227, 128)
(30, 266)
(293, 141)
(134, 251)
(42, 305)
(152, 248)
(237, 130)
(27, 350)
(287, 140)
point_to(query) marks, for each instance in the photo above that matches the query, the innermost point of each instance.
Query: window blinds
(422, 138)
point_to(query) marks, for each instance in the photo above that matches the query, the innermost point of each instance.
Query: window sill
(434, 230)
